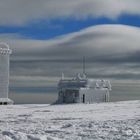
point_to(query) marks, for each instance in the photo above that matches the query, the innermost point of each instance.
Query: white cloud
(19, 12)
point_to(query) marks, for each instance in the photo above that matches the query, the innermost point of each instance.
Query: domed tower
(4, 74)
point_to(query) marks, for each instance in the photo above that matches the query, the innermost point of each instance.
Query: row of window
(3, 103)
(69, 93)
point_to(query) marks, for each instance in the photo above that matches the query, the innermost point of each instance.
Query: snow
(104, 121)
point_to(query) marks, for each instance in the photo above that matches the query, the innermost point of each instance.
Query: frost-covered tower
(4, 74)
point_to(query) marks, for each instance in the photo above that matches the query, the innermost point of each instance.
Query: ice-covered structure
(83, 90)
(4, 74)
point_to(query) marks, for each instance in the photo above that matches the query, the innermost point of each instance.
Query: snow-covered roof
(71, 83)
(81, 82)
(99, 84)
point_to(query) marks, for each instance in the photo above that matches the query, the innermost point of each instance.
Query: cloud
(111, 51)
(98, 43)
(20, 12)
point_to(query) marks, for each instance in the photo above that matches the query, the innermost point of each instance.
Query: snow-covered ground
(104, 121)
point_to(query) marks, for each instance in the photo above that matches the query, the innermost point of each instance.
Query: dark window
(83, 98)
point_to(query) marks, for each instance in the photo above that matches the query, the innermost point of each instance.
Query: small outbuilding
(83, 90)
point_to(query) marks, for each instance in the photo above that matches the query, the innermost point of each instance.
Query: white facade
(83, 90)
(4, 73)
(93, 95)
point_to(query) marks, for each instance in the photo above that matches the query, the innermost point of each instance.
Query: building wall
(94, 95)
(85, 95)
(68, 96)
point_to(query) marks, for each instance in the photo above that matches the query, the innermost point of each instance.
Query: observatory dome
(4, 49)
(4, 45)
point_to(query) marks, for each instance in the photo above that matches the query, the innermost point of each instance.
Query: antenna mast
(84, 71)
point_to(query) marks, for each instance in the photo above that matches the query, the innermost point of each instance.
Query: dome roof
(4, 45)
(4, 49)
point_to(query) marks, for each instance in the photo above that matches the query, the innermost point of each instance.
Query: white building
(83, 90)
(4, 74)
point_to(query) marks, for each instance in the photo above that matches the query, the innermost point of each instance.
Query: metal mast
(84, 70)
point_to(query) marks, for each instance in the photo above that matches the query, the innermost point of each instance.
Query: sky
(49, 37)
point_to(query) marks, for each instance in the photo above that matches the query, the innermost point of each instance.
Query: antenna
(84, 71)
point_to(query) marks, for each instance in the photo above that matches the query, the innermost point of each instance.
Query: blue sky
(48, 19)
(44, 29)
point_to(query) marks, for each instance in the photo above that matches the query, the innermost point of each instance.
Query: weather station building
(81, 89)
(4, 74)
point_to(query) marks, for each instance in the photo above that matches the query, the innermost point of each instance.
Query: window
(5, 103)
